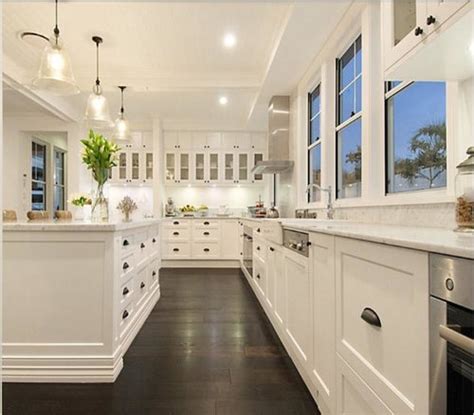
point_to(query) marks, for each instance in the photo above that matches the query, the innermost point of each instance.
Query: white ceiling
(171, 54)
(15, 103)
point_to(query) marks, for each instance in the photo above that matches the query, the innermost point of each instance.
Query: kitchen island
(75, 296)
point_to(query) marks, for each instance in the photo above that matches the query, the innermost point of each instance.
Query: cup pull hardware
(175, 249)
(125, 242)
(125, 291)
(371, 317)
(142, 285)
(125, 266)
(125, 314)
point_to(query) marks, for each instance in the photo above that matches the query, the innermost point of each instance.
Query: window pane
(346, 104)
(58, 198)
(315, 130)
(38, 196)
(416, 126)
(59, 167)
(349, 161)
(315, 172)
(346, 68)
(358, 64)
(358, 95)
(315, 102)
(38, 161)
(389, 85)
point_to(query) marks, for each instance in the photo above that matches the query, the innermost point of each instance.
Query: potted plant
(80, 201)
(127, 206)
(99, 155)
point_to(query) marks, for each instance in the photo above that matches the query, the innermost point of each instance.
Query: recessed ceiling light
(229, 40)
(223, 100)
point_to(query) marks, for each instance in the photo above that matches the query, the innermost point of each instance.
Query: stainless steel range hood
(278, 138)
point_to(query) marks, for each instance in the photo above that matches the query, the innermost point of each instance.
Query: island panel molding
(75, 320)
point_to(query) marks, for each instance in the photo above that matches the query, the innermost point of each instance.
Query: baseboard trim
(190, 263)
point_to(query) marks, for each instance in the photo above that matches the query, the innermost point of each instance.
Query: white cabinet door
(382, 320)
(147, 166)
(147, 140)
(279, 307)
(184, 167)
(171, 171)
(228, 167)
(243, 167)
(272, 263)
(135, 160)
(199, 167)
(323, 286)
(229, 239)
(213, 167)
(258, 141)
(185, 140)
(199, 140)
(298, 305)
(256, 157)
(170, 139)
(213, 141)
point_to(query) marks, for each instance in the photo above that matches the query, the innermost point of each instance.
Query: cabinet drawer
(382, 320)
(127, 265)
(180, 234)
(204, 234)
(354, 396)
(206, 250)
(177, 223)
(177, 250)
(141, 286)
(260, 249)
(260, 277)
(126, 316)
(154, 274)
(127, 242)
(126, 292)
(142, 252)
(205, 224)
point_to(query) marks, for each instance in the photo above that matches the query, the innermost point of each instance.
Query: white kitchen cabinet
(260, 276)
(323, 287)
(382, 320)
(206, 141)
(273, 255)
(206, 167)
(236, 167)
(258, 141)
(178, 140)
(256, 157)
(177, 167)
(418, 36)
(236, 141)
(298, 304)
(230, 240)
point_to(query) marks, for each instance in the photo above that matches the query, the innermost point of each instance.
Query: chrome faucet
(328, 190)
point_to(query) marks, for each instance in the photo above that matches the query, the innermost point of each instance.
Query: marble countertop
(437, 240)
(76, 226)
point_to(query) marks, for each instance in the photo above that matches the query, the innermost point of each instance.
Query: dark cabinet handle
(175, 222)
(125, 266)
(206, 223)
(272, 249)
(125, 315)
(371, 317)
(206, 249)
(153, 274)
(142, 285)
(175, 249)
(206, 233)
(430, 20)
(125, 242)
(258, 230)
(175, 233)
(142, 245)
(125, 291)
(258, 248)
(418, 31)
(153, 240)
(258, 276)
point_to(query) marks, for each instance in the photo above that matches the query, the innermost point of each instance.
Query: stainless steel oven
(248, 249)
(451, 335)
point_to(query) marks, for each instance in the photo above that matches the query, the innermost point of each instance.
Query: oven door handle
(458, 339)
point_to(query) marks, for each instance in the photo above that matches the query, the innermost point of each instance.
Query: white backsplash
(143, 197)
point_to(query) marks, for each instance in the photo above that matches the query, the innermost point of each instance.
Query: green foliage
(428, 146)
(99, 155)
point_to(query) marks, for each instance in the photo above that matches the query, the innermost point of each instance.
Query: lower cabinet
(354, 319)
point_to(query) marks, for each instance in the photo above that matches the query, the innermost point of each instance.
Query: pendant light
(122, 126)
(97, 109)
(55, 71)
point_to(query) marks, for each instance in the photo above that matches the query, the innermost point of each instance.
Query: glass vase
(100, 206)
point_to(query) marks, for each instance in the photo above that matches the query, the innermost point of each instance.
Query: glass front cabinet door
(170, 168)
(244, 171)
(257, 178)
(213, 167)
(199, 167)
(184, 167)
(229, 176)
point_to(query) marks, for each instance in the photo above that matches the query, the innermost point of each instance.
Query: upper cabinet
(135, 160)
(427, 39)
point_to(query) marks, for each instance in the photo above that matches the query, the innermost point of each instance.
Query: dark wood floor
(207, 348)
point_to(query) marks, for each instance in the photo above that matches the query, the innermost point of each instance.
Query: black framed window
(349, 121)
(314, 143)
(415, 136)
(38, 175)
(59, 179)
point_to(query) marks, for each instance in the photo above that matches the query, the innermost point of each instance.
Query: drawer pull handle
(154, 240)
(371, 317)
(175, 233)
(258, 248)
(175, 222)
(258, 276)
(125, 291)
(206, 233)
(452, 336)
(153, 274)
(142, 285)
(206, 249)
(142, 245)
(206, 223)
(430, 20)
(175, 249)
(258, 230)
(272, 249)
(125, 315)
(125, 242)
(125, 266)
(418, 31)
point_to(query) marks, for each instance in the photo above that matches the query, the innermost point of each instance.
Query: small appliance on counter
(273, 213)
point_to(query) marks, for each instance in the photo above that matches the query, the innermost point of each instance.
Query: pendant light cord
(56, 28)
(97, 81)
(122, 88)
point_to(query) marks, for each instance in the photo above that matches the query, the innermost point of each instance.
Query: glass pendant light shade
(122, 126)
(55, 72)
(97, 110)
